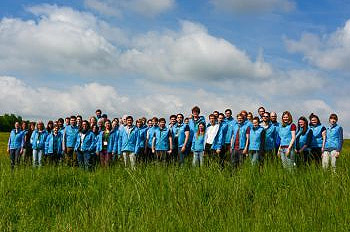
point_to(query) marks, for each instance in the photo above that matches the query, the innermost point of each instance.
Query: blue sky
(157, 57)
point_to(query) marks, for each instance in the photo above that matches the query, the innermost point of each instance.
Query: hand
(21, 152)
(183, 149)
(169, 152)
(153, 150)
(8, 150)
(337, 154)
(218, 151)
(97, 153)
(287, 152)
(245, 151)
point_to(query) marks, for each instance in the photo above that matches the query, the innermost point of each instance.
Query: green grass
(157, 198)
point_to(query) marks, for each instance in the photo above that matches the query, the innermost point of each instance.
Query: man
(273, 119)
(240, 140)
(181, 137)
(69, 138)
(261, 112)
(162, 141)
(223, 131)
(213, 139)
(129, 142)
(230, 121)
(194, 121)
(172, 123)
(149, 139)
(15, 145)
(98, 114)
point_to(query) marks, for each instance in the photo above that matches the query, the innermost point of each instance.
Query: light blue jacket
(70, 135)
(334, 138)
(242, 128)
(230, 124)
(270, 137)
(129, 141)
(38, 140)
(88, 143)
(142, 136)
(285, 134)
(112, 143)
(150, 133)
(317, 139)
(180, 129)
(198, 143)
(49, 144)
(219, 139)
(161, 138)
(256, 138)
(16, 140)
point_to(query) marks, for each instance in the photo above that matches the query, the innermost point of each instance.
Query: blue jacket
(70, 135)
(256, 139)
(230, 124)
(317, 139)
(38, 140)
(285, 134)
(150, 134)
(242, 135)
(278, 139)
(270, 137)
(161, 137)
(87, 144)
(194, 125)
(334, 138)
(198, 143)
(16, 140)
(179, 131)
(303, 139)
(219, 139)
(129, 142)
(112, 143)
(53, 144)
(142, 136)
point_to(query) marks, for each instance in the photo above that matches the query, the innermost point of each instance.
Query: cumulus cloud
(254, 6)
(116, 8)
(329, 52)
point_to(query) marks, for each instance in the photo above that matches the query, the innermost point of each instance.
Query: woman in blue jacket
(142, 136)
(303, 140)
(270, 136)
(53, 146)
(333, 143)
(85, 145)
(318, 136)
(38, 140)
(107, 144)
(15, 144)
(198, 145)
(256, 142)
(286, 132)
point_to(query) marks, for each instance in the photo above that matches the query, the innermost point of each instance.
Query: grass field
(155, 198)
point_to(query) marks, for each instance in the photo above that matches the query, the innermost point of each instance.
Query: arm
(262, 142)
(341, 140)
(291, 142)
(154, 144)
(324, 137)
(170, 143)
(187, 135)
(8, 144)
(245, 151)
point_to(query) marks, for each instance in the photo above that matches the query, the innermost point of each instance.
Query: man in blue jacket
(69, 138)
(129, 141)
(15, 145)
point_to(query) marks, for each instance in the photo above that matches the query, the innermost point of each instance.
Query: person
(100, 124)
(53, 146)
(67, 121)
(38, 140)
(216, 114)
(107, 144)
(194, 121)
(149, 139)
(79, 121)
(181, 137)
(49, 127)
(261, 112)
(318, 136)
(69, 139)
(276, 124)
(303, 140)
(15, 145)
(286, 132)
(93, 157)
(187, 121)
(129, 142)
(213, 139)
(223, 131)
(142, 136)
(270, 136)
(333, 143)
(85, 145)
(240, 140)
(60, 123)
(27, 147)
(162, 141)
(244, 113)
(98, 113)
(250, 118)
(256, 142)
(230, 121)
(198, 145)
(92, 121)
(174, 152)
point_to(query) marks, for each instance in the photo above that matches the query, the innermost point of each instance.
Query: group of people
(99, 140)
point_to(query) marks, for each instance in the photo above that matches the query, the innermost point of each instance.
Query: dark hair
(116, 119)
(162, 120)
(261, 107)
(79, 116)
(104, 116)
(87, 123)
(61, 120)
(196, 109)
(180, 115)
(149, 120)
(256, 118)
(67, 118)
(239, 115)
(98, 110)
(129, 117)
(211, 115)
(334, 116)
(312, 115)
(228, 110)
(172, 116)
(73, 117)
(155, 119)
(201, 123)
(215, 111)
(221, 114)
(306, 124)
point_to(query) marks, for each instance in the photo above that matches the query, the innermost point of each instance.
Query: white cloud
(254, 6)
(116, 8)
(329, 52)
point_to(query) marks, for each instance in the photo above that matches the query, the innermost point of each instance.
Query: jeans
(105, 158)
(71, 157)
(237, 157)
(37, 157)
(128, 155)
(255, 157)
(15, 155)
(198, 158)
(84, 159)
(329, 156)
(287, 161)
(181, 155)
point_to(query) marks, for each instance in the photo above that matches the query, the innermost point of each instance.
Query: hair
(312, 115)
(239, 115)
(334, 116)
(172, 116)
(67, 118)
(61, 120)
(79, 116)
(228, 110)
(144, 119)
(98, 110)
(87, 123)
(290, 118)
(129, 117)
(149, 120)
(250, 114)
(180, 115)
(198, 133)
(104, 116)
(162, 120)
(216, 112)
(32, 124)
(256, 118)
(47, 126)
(196, 109)
(261, 107)
(108, 121)
(212, 115)
(73, 117)
(139, 121)
(306, 124)
(155, 119)
(221, 114)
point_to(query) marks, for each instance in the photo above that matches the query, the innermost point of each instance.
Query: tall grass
(154, 197)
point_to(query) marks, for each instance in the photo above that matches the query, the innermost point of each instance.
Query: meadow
(158, 198)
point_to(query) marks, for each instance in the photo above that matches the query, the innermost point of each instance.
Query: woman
(333, 143)
(27, 147)
(38, 140)
(303, 140)
(256, 142)
(107, 144)
(286, 132)
(49, 127)
(142, 134)
(318, 136)
(15, 145)
(53, 146)
(85, 145)
(198, 145)
(270, 136)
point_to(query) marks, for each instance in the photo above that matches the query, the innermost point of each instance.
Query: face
(240, 119)
(212, 120)
(73, 121)
(50, 125)
(228, 114)
(216, 114)
(255, 123)
(100, 123)
(179, 119)
(24, 126)
(173, 120)
(186, 121)
(17, 126)
(114, 124)
(138, 124)
(154, 122)
(98, 114)
(149, 124)
(195, 114)
(201, 127)
(129, 122)
(55, 130)
(108, 125)
(273, 117)
(221, 118)
(314, 121)
(124, 121)
(265, 118)
(67, 121)
(94, 129)
(41, 126)
(93, 121)
(79, 120)
(244, 115)
(261, 111)
(84, 125)
(60, 124)
(285, 118)
(249, 117)
(32, 127)
(301, 123)
(332, 121)
(162, 124)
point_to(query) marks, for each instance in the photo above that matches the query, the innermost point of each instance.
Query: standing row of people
(78, 142)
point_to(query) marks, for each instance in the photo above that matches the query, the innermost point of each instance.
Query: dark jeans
(237, 157)
(316, 153)
(71, 157)
(84, 159)
(53, 158)
(15, 157)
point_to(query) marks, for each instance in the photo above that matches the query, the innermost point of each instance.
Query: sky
(159, 57)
